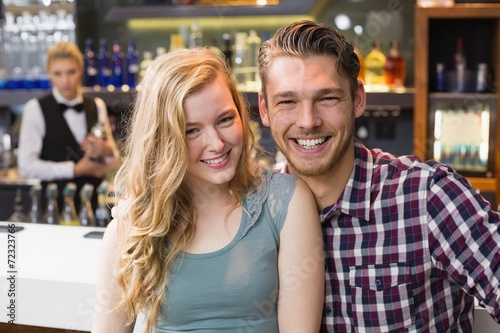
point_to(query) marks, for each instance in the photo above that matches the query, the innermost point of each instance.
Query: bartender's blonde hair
(64, 50)
(153, 171)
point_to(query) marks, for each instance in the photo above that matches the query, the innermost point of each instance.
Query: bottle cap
(86, 192)
(69, 190)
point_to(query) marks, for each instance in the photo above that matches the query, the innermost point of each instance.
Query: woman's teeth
(310, 144)
(216, 161)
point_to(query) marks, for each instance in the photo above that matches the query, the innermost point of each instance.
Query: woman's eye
(191, 131)
(226, 120)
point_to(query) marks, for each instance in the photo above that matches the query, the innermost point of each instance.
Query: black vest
(60, 145)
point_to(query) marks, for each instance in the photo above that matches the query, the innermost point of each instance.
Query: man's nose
(308, 117)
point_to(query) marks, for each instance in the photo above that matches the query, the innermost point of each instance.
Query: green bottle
(68, 212)
(86, 213)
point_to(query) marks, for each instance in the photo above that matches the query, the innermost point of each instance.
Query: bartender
(54, 141)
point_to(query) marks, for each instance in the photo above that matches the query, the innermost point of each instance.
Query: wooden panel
(9, 328)
(421, 84)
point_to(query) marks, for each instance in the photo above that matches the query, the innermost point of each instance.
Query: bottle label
(91, 71)
(133, 68)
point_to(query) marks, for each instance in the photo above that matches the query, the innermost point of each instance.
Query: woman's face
(214, 136)
(65, 75)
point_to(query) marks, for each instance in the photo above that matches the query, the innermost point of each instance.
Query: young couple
(205, 241)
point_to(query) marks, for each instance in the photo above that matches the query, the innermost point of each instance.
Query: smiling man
(408, 244)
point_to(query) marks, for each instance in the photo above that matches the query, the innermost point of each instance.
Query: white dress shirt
(32, 133)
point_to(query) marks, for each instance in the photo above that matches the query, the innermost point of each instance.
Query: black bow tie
(63, 107)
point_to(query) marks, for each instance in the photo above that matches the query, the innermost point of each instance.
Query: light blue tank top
(233, 289)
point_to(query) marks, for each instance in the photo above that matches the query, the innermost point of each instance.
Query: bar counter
(54, 276)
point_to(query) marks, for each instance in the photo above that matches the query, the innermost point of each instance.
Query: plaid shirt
(408, 247)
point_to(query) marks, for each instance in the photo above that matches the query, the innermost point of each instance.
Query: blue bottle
(132, 64)
(90, 63)
(103, 64)
(117, 66)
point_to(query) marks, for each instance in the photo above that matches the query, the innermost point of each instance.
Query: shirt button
(378, 282)
(328, 310)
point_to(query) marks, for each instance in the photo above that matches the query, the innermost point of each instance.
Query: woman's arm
(108, 319)
(301, 266)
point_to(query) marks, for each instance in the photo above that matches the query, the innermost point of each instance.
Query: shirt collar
(355, 199)
(60, 99)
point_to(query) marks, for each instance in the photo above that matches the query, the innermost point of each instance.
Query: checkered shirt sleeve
(408, 246)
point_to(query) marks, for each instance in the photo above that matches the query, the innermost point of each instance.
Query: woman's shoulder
(275, 178)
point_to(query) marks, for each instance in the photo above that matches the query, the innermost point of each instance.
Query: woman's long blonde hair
(153, 170)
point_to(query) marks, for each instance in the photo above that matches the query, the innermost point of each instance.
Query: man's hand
(95, 147)
(86, 167)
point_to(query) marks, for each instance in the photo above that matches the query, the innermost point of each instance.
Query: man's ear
(264, 116)
(360, 100)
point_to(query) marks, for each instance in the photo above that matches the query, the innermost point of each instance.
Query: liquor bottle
(460, 65)
(459, 56)
(395, 67)
(117, 66)
(160, 50)
(361, 74)
(374, 68)
(3, 60)
(176, 42)
(51, 215)
(68, 211)
(90, 64)
(440, 77)
(13, 50)
(103, 64)
(253, 42)
(214, 48)
(482, 78)
(147, 59)
(227, 51)
(18, 214)
(86, 214)
(35, 214)
(196, 36)
(132, 64)
(99, 131)
(102, 211)
(240, 61)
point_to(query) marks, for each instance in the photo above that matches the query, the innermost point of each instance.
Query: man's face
(310, 112)
(65, 75)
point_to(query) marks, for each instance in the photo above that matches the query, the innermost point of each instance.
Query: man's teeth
(217, 160)
(310, 144)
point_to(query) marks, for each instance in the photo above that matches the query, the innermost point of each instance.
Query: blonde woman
(207, 241)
